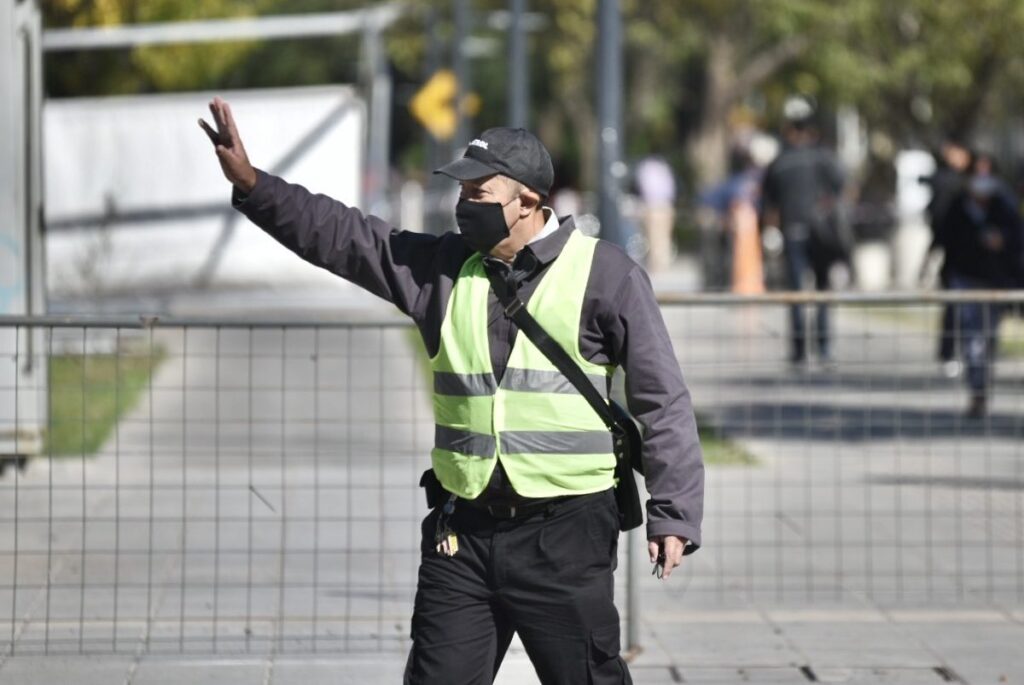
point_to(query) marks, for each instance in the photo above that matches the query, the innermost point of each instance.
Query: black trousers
(799, 254)
(547, 577)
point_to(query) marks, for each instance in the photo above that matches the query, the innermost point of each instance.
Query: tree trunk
(708, 146)
(726, 82)
(584, 126)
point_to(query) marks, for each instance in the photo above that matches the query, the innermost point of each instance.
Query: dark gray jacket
(621, 323)
(801, 183)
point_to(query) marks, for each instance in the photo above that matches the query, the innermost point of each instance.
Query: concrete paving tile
(653, 650)
(516, 670)
(347, 671)
(655, 616)
(866, 676)
(697, 676)
(81, 670)
(726, 645)
(213, 671)
(653, 675)
(947, 616)
(979, 653)
(839, 644)
(846, 615)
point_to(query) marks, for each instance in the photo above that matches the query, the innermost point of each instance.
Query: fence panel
(861, 479)
(250, 487)
(258, 493)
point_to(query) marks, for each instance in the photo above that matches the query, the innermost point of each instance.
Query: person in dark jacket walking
(947, 183)
(523, 538)
(982, 238)
(800, 192)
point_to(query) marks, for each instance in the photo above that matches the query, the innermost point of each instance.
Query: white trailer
(137, 203)
(22, 354)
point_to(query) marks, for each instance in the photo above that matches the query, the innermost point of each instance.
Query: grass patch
(89, 394)
(915, 317)
(720, 450)
(1011, 337)
(925, 319)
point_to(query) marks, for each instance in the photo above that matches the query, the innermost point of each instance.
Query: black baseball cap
(512, 152)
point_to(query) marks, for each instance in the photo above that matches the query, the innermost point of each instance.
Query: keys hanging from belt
(445, 540)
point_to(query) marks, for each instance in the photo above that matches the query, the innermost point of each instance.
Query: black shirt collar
(540, 252)
(533, 257)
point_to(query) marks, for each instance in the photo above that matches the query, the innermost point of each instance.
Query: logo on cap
(479, 143)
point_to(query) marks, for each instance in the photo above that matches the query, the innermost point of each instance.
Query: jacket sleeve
(830, 173)
(392, 264)
(658, 397)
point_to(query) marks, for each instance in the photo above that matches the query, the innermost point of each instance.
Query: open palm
(228, 146)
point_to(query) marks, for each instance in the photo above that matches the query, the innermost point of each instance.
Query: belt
(515, 511)
(507, 512)
(511, 511)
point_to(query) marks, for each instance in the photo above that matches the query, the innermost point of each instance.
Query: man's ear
(529, 202)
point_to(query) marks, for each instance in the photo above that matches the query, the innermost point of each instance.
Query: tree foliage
(915, 69)
(922, 68)
(197, 66)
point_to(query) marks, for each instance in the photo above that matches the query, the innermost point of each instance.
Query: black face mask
(482, 224)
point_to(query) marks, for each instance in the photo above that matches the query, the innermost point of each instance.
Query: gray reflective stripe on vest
(556, 442)
(464, 442)
(539, 380)
(463, 384)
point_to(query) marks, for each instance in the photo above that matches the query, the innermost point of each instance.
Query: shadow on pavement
(815, 419)
(865, 382)
(955, 482)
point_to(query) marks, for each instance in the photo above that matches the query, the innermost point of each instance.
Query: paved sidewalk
(828, 645)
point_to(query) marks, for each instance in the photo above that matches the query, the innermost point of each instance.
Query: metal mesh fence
(205, 487)
(861, 478)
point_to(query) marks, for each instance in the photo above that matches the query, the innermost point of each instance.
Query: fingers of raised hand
(222, 114)
(210, 133)
(226, 124)
(229, 118)
(218, 118)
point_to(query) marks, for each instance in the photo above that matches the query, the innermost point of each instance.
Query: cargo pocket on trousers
(428, 527)
(605, 663)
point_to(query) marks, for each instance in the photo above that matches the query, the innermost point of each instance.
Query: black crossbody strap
(626, 437)
(516, 310)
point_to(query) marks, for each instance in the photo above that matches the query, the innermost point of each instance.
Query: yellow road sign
(434, 104)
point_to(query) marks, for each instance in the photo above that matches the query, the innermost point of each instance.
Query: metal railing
(204, 486)
(866, 480)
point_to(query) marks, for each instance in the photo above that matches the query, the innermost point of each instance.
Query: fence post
(633, 574)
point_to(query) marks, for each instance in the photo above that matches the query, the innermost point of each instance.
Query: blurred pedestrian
(982, 238)
(747, 262)
(800, 193)
(711, 216)
(656, 185)
(735, 201)
(947, 183)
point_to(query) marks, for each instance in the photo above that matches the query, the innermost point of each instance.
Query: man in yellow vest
(523, 534)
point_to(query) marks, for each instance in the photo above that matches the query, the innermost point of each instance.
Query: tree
(919, 70)
(914, 70)
(196, 66)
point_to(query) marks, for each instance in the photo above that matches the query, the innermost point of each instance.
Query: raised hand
(228, 146)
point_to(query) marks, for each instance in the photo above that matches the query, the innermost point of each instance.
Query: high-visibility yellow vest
(549, 439)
